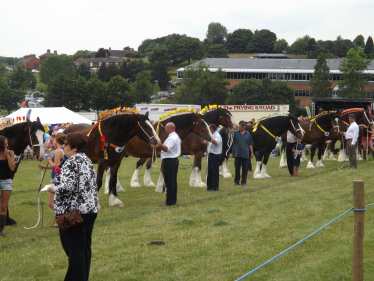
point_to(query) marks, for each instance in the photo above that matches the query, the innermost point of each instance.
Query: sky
(32, 27)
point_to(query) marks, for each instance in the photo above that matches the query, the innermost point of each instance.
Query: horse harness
(266, 130)
(313, 121)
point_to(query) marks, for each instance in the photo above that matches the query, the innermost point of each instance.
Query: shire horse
(21, 135)
(185, 124)
(117, 130)
(265, 134)
(363, 117)
(317, 131)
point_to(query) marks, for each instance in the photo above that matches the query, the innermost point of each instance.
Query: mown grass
(207, 236)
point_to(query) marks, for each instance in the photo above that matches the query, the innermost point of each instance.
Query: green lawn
(207, 236)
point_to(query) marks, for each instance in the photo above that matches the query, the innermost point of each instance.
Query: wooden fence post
(358, 231)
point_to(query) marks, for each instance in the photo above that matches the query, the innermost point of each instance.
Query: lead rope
(230, 141)
(344, 152)
(145, 131)
(39, 201)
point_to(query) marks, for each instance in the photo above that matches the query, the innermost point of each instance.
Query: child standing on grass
(297, 152)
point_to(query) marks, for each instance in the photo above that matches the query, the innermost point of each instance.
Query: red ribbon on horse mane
(103, 139)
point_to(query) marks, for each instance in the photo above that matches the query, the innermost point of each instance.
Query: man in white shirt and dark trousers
(214, 157)
(170, 151)
(291, 141)
(351, 136)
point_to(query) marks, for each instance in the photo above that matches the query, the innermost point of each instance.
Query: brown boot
(365, 154)
(2, 223)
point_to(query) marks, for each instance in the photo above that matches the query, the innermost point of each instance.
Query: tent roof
(51, 115)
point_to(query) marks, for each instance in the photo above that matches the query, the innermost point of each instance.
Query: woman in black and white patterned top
(76, 241)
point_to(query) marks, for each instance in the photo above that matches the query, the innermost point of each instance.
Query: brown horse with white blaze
(117, 130)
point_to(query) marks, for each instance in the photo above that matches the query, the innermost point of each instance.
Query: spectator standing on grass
(297, 152)
(351, 136)
(241, 147)
(170, 151)
(214, 157)
(7, 166)
(54, 161)
(77, 172)
(291, 141)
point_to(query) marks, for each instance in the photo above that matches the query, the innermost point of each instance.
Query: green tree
(98, 101)
(173, 51)
(321, 80)
(369, 46)
(201, 87)
(298, 47)
(61, 92)
(160, 73)
(353, 78)
(318, 49)
(10, 98)
(102, 53)
(238, 40)
(81, 92)
(102, 72)
(55, 65)
(280, 46)
(217, 33)
(359, 41)
(83, 54)
(111, 71)
(151, 47)
(253, 91)
(144, 45)
(117, 92)
(128, 48)
(21, 78)
(340, 48)
(142, 87)
(311, 44)
(190, 48)
(160, 54)
(262, 42)
(84, 70)
(156, 88)
(217, 51)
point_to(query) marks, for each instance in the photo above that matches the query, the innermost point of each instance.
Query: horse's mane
(212, 116)
(124, 122)
(18, 129)
(350, 110)
(180, 121)
(271, 121)
(324, 117)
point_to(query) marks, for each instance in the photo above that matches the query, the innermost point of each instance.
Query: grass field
(207, 236)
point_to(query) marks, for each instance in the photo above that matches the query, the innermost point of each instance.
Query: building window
(369, 94)
(180, 74)
(91, 63)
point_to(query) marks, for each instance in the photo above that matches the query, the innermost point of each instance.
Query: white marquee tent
(51, 115)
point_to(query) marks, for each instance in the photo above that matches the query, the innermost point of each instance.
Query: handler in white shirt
(170, 151)
(352, 135)
(214, 157)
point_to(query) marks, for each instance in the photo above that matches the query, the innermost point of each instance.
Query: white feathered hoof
(310, 165)
(319, 164)
(226, 170)
(135, 179)
(341, 155)
(257, 172)
(220, 171)
(119, 187)
(303, 158)
(282, 162)
(160, 183)
(332, 158)
(147, 179)
(114, 201)
(263, 172)
(198, 181)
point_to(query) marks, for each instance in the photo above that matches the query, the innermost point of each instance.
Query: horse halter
(198, 125)
(337, 124)
(32, 145)
(294, 127)
(145, 132)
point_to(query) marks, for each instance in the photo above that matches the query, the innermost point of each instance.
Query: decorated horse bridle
(322, 130)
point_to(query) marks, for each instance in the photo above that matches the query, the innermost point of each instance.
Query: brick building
(95, 63)
(46, 55)
(296, 72)
(30, 61)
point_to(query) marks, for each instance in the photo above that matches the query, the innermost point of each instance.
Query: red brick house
(95, 63)
(46, 55)
(30, 61)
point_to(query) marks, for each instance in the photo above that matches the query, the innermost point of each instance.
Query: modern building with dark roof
(296, 72)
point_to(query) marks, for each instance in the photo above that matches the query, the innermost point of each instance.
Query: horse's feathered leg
(107, 180)
(257, 172)
(147, 174)
(135, 177)
(195, 179)
(113, 199)
(263, 169)
(160, 182)
(310, 163)
(319, 161)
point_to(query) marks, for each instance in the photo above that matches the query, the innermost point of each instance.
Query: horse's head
(144, 129)
(295, 127)
(35, 137)
(201, 128)
(335, 122)
(225, 118)
(368, 117)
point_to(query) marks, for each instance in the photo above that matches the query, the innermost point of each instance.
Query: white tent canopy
(51, 115)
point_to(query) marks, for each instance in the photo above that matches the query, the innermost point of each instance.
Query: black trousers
(290, 157)
(213, 172)
(76, 243)
(241, 163)
(170, 171)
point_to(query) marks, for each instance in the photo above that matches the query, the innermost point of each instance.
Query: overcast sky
(32, 27)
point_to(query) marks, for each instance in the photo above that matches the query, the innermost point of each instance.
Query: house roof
(88, 60)
(263, 56)
(266, 65)
(117, 53)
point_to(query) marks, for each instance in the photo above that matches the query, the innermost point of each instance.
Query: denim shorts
(6, 184)
(53, 181)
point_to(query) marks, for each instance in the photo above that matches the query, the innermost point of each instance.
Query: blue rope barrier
(369, 205)
(290, 248)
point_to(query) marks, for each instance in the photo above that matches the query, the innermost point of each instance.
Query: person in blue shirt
(241, 146)
(297, 153)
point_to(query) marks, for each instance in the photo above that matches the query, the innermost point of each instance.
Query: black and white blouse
(66, 191)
